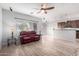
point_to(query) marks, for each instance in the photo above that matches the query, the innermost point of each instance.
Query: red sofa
(30, 36)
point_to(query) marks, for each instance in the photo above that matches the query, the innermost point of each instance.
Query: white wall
(0, 26)
(50, 27)
(8, 20)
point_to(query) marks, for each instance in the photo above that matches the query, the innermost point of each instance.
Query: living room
(40, 29)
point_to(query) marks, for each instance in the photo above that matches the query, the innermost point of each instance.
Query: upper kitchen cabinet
(61, 24)
(69, 24)
(77, 23)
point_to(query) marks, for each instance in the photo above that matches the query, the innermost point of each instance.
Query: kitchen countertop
(66, 29)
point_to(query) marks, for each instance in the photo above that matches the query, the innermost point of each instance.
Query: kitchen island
(68, 34)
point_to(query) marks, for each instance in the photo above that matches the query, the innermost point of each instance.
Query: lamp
(12, 31)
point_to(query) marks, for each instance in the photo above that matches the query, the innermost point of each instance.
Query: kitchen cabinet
(77, 23)
(77, 34)
(69, 24)
(61, 24)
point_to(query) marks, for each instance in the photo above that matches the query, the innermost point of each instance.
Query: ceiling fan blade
(36, 8)
(49, 8)
(39, 11)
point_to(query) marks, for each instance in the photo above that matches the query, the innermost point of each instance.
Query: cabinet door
(73, 24)
(77, 34)
(61, 24)
(77, 23)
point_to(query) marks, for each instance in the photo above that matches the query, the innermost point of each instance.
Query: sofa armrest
(38, 34)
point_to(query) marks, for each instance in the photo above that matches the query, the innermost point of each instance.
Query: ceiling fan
(44, 7)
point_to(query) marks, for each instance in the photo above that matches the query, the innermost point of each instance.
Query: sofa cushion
(26, 37)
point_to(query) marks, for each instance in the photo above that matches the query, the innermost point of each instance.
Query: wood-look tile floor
(47, 46)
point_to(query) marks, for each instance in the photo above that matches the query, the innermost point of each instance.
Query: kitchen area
(67, 30)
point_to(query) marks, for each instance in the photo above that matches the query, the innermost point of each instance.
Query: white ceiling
(61, 10)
